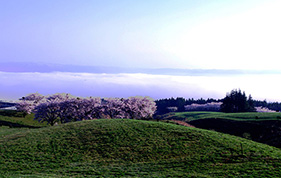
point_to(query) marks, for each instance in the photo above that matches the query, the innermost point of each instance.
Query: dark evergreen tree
(180, 103)
(237, 101)
(251, 104)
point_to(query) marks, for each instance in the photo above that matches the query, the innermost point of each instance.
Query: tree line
(276, 106)
(164, 105)
(235, 101)
(63, 108)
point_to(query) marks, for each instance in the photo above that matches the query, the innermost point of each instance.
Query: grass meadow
(248, 116)
(130, 148)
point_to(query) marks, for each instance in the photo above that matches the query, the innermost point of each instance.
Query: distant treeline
(165, 105)
(276, 106)
(178, 104)
(6, 104)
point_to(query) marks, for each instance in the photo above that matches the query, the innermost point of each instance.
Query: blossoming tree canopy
(29, 102)
(36, 97)
(66, 108)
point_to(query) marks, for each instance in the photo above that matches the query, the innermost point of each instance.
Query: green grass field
(11, 117)
(132, 148)
(250, 116)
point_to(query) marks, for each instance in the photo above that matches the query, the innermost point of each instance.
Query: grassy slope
(14, 117)
(260, 127)
(251, 116)
(132, 148)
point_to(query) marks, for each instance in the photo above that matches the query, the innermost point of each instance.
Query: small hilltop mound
(132, 148)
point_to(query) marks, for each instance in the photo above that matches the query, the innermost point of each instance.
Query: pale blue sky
(147, 33)
(188, 34)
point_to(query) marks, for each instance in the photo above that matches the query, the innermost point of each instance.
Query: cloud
(16, 85)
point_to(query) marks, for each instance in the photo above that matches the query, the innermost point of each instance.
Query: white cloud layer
(16, 85)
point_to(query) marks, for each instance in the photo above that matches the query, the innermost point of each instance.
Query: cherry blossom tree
(77, 109)
(139, 107)
(148, 107)
(25, 106)
(65, 108)
(113, 107)
(60, 97)
(92, 108)
(69, 110)
(36, 97)
(29, 102)
(213, 106)
(48, 111)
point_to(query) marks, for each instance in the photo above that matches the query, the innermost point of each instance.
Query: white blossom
(66, 108)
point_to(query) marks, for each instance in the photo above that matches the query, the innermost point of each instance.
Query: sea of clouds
(16, 85)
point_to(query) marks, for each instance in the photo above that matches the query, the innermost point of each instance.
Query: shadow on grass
(16, 125)
(267, 131)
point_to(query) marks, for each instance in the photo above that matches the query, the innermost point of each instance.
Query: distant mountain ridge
(19, 67)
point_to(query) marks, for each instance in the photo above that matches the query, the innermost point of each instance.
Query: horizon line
(13, 67)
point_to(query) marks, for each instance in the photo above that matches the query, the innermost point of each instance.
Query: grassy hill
(13, 118)
(260, 127)
(250, 116)
(132, 148)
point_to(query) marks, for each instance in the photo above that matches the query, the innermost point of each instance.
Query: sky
(151, 34)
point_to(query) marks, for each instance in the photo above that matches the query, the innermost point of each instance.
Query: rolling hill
(132, 148)
(260, 127)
